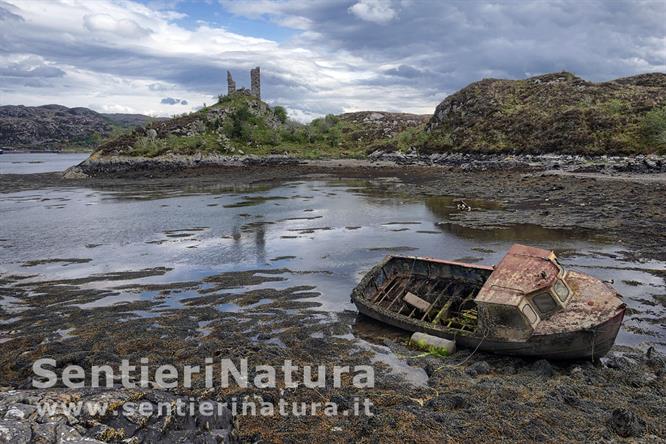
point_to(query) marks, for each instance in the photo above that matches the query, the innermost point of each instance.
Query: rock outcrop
(52, 127)
(375, 125)
(553, 113)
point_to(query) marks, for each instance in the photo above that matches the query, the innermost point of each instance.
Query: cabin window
(544, 303)
(561, 290)
(528, 311)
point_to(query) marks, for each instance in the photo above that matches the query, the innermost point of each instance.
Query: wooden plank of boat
(416, 302)
(444, 312)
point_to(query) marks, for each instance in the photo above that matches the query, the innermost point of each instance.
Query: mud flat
(416, 397)
(93, 312)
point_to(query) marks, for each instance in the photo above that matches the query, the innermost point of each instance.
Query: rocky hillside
(242, 124)
(378, 129)
(553, 113)
(54, 127)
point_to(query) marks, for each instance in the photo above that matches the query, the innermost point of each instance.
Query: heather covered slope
(553, 113)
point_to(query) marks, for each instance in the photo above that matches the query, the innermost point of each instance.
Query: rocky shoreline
(563, 162)
(123, 166)
(41, 416)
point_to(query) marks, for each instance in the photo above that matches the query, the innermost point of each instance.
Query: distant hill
(130, 120)
(56, 127)
(553, 113)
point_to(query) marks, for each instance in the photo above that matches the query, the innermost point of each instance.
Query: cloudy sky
(163, 57)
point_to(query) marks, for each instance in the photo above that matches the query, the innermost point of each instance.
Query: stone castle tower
(255, 83)
(231, 85)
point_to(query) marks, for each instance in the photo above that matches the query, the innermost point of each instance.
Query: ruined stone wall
(255, 82)
(231, 85)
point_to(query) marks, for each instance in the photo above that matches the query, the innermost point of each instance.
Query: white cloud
(106, 23)
(295, 22)
(113, 108)
(27, 65)
(117, 54)
(302, 116)
(376, 11)
(96, 43)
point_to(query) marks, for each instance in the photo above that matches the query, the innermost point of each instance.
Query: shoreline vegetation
(241, 124)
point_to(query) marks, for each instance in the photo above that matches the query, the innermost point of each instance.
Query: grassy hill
(242, 124)
(553, 113)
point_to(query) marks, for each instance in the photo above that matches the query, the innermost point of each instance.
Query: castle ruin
(255, 83)
(231, 85)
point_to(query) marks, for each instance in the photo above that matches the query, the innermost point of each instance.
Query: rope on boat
(477, 347)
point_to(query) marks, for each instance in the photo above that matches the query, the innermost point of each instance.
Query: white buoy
(433, 343)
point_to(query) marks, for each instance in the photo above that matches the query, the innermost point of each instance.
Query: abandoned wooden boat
(527, 305)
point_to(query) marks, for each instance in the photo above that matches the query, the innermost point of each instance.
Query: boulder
(478, 368)
(626, 423)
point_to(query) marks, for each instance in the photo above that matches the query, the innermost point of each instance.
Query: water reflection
(517, 233)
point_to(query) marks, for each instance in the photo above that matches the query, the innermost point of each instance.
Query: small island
(550, 115)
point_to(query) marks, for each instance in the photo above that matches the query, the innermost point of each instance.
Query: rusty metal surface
(593, 302)
(458, 264)
(522, 271)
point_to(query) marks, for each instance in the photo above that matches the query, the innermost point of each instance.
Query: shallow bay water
(30, 163)
(164, 244)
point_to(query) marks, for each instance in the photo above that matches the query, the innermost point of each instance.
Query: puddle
(415, 376)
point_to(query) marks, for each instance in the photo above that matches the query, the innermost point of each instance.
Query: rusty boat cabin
(527, 305)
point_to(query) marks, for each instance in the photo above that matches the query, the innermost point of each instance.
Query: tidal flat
(259, 262)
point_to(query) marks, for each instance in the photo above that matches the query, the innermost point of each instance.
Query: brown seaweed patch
(282, 258)
(254, 200)
(237, 279)
(65, 262)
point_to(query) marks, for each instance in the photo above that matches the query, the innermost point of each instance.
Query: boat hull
(593, 343)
